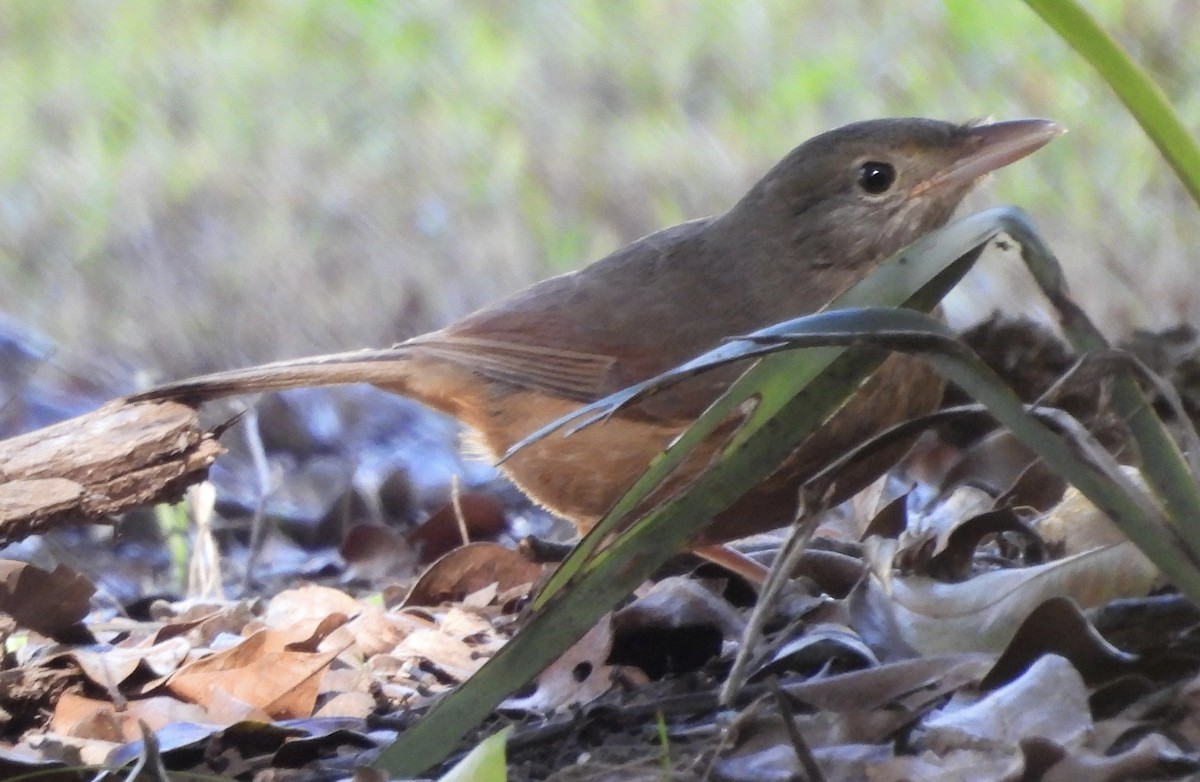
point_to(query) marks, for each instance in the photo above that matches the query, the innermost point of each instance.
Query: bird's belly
(578, 476)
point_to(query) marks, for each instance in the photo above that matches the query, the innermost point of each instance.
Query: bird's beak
(991, 147)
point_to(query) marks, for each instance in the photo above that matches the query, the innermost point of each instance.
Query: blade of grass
(1140, 94)
(1165, 467)
(1098, 476)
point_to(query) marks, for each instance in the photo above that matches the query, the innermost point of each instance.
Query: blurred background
(193, 186)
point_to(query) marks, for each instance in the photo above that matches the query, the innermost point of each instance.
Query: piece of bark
(90, 468)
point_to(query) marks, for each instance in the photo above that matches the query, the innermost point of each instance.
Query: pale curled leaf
(982, 614)
(1017, 711)
(48, 602)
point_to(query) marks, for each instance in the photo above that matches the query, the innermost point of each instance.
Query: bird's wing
(565, 373)
(588, 333)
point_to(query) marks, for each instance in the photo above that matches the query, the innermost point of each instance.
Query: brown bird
(819, 221)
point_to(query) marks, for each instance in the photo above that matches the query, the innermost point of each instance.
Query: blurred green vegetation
(193, 185)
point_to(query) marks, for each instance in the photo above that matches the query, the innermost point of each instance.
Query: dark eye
(875, 177)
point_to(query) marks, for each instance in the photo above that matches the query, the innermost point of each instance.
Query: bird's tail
(379, 367)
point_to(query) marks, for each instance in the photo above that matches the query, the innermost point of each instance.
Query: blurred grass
(195, 185)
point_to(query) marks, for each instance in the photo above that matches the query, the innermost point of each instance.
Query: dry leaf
(469, 569)
(983, 614)
(48, 602)
(1017, 711)
(579, 675)
(260, 671)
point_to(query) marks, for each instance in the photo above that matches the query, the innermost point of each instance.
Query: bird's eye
(876, 177)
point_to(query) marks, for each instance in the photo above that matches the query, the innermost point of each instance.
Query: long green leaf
(1108, 488)
(1164, 465)
(1140, 94)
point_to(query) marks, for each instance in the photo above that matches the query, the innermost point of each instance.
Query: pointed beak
(991, 147)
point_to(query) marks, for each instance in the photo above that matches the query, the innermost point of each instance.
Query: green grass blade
(1140, 94)
(1108, 488)
(1164, 465)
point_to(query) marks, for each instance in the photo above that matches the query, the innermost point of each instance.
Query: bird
(818, 221)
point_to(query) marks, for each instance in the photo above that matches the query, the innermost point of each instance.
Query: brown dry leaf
(957, 560)
(1017, 711)
(1057, 626)
(373, 553)
(983, 614)
(1189, 725)
(263, 671)
(863, 514)
(452, 658)
(71, 750)
(469, 569)
(856, 763)
(353, 704)
(161, 711)
(1039, 488)
(465, 623)
(201, 622)
(929, 529)
(482, 515)
(33, 687)
(994, 464)
(192, 632)
(960, 766)
(881, 537)
(224, 708)
(763, 750)
(822, 644)
(578, 676)
(847, 749)
(374, 631)
(48, 602)
(164, 657)
(110, 667)
(80, 717)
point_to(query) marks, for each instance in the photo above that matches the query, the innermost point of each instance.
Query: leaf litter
(982, 625)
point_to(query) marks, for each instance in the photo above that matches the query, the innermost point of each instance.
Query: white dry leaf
(982, 614)
(1048, 701)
